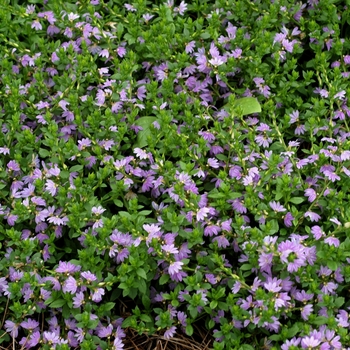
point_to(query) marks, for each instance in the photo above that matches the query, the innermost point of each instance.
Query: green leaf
(108, 306)
(43, 153)
(57, 303)
(320, 320)
(293, 331)
(164, 279)
(213, 304)
(189, 330)
(76, 168)
(246, 347)
(246, 267)
(297, 200)
(249, 105)
(332, 264)
(339, 302)
(145, 318)
(141, 273)
(142, 135)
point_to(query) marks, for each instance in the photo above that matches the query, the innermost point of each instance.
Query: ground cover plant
(168, 163)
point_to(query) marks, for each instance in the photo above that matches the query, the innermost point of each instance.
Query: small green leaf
(141, 273)
(213, 304)
(249, 105)
(164, 279)
(333, 265)
(57, 303)
(297, 200)
(145, 318)
(320, 320)
(246, 347)
(142, 135)
(189, 330)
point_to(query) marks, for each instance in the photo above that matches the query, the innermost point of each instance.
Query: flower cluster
(188, 159)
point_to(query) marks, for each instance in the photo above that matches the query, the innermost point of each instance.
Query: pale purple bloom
(170, 249)
(170, 332)
(181, 9)
(118, 344)
(141, 154)
(67, 267)
(288, 219)
(51, 187)
(310, 342)
(30, 324)
(294, 117)
(213, 163)
(78, 300)
(11, 328)
(70, 285)
(329, 287)
(97, 210)
(273, 285)
(236, 287)
(51, 337)
(293, 342)
(97, 295)
(121, 51)
(175, 267)
(4, 150)
(312, 216)
(190, 47)
(202, 213)
(317, 232)
(277, 207)
(90, 277)
(13, 165)
(340, 95)
(332, 241)
(311, 194)
(306, 311)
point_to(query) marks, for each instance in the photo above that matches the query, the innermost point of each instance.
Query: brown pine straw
(135, 341)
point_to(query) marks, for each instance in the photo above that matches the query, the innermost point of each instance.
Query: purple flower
(121, 51)
(175, 267)
(289, 343)
(51, 187)
(97, 295)
(67, 267)
(277, 207)
(11, 328)
(181, 9)
(70, 285)
(288, 219)
(273, 285)
(192, 44)
(78, 300)
(118, 344)
(265, 262)
(90, 277)
(312, 216)
(310, 342)
(311, 194)
(51, 337)
(30, 324)
(317, 232)
(13, 165)
(202, 213)
(332, 241)
(213, 163)
(170, 332)
(306, 311)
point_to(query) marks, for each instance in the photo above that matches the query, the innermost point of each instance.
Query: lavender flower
(277, 207)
